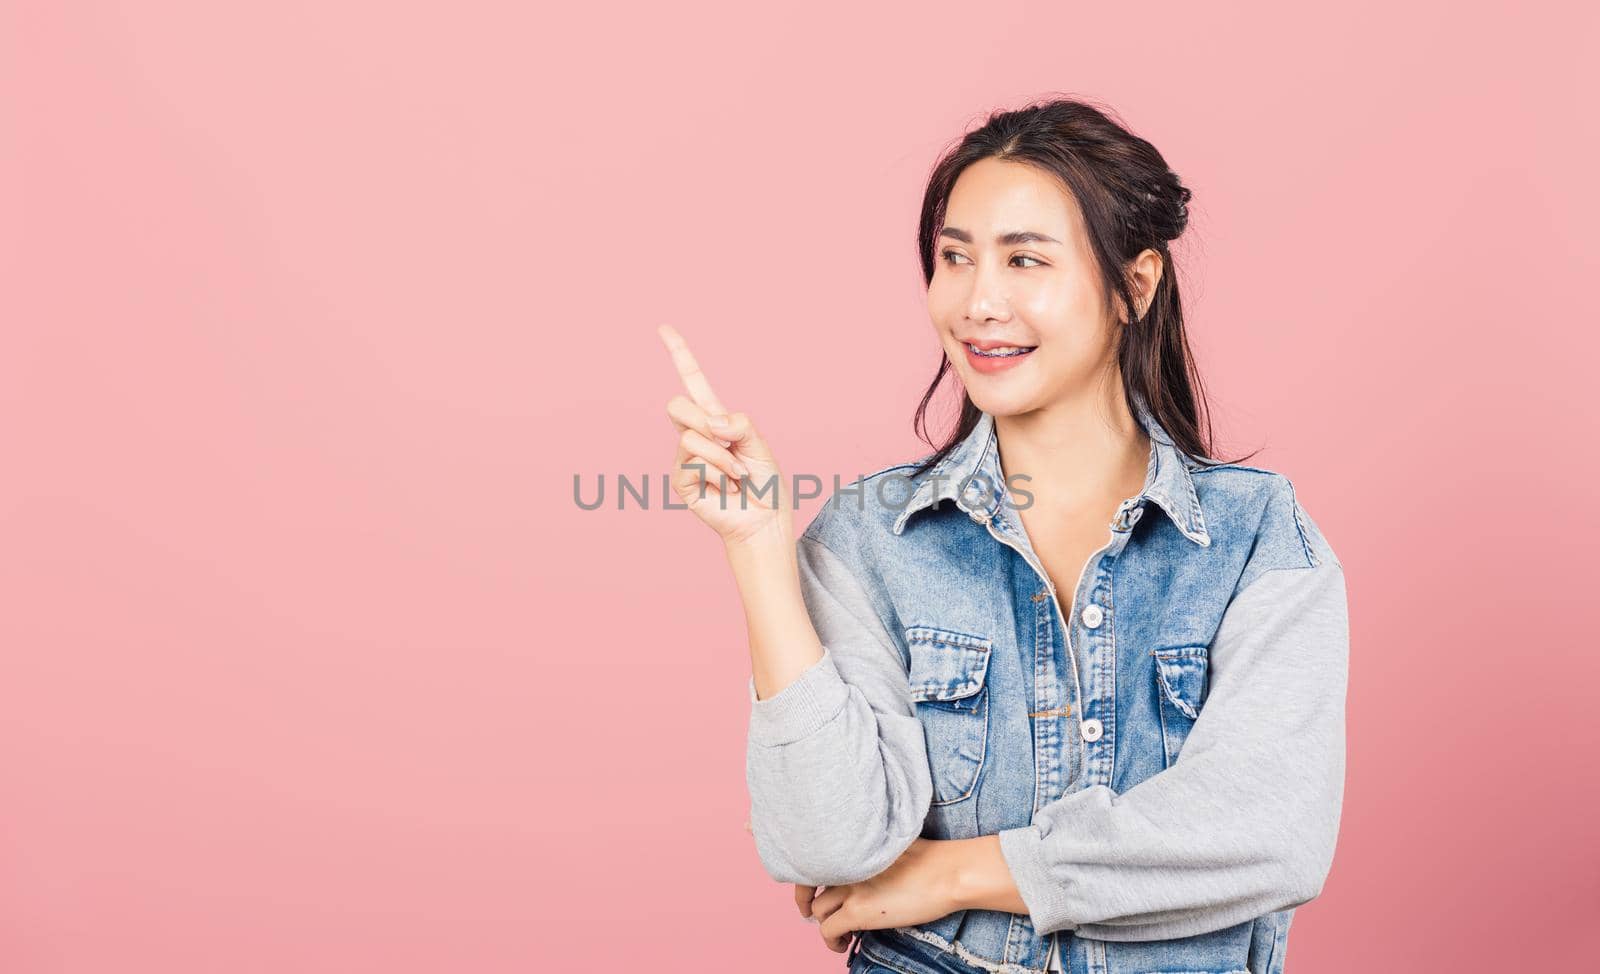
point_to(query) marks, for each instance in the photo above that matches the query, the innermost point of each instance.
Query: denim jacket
(1160, 751)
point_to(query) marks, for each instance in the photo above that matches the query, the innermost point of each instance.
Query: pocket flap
(1181, 671)
(946, 665)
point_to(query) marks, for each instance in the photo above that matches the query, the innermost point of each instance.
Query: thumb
(741, 435)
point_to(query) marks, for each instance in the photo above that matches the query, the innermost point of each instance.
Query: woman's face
(1013, 268)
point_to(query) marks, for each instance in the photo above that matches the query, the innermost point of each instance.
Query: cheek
(1060, 308)
(944, 308)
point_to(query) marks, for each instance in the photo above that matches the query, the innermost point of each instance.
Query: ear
(1144, 275)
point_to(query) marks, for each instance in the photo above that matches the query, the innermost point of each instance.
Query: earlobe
(1144, 281)
(1144, 302)
(1146, 292)
(1141, 301)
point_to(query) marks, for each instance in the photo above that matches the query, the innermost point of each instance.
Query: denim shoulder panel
(855, 523)
(855, 511)
(1241, 499)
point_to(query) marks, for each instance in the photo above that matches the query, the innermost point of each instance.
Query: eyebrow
(1004, 239)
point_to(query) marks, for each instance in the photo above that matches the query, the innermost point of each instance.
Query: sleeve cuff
(1023, 849)
(799, 709)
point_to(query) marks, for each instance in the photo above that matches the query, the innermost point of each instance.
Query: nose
(988, 298)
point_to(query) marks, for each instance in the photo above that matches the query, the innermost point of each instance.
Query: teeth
(1001, 352)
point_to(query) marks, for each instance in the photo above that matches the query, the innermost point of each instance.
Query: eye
(950, 255)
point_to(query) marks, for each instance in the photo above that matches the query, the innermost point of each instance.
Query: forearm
(783, 643)
(982, 879)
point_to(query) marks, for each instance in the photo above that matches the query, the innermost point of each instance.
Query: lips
(990, 344)
(989, 357)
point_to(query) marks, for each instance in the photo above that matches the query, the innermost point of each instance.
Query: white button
(1091, 615)
(1091, 729)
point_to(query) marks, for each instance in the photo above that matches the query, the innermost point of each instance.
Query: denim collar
(1168, 483)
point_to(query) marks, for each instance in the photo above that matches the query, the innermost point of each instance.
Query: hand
(919, 887)
(718, 492)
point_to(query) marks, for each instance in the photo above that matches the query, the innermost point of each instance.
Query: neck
(1079, 451)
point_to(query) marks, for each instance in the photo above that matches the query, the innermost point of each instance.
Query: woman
(1089, 714)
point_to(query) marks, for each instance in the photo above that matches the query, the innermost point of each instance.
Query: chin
(995, 403)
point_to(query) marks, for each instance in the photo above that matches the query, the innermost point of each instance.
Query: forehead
(998, 195)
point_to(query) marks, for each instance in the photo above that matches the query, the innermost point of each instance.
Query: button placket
(1095, 620)
(1091, 616)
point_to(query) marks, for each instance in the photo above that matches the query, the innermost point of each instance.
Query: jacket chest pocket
(1180, 691)
(948, 677)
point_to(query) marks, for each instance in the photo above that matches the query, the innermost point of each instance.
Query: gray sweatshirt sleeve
(1245, 820)
(836, 764)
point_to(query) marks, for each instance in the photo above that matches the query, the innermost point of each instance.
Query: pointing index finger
(694, 380)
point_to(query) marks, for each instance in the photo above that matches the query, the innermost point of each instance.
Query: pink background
(312, 311)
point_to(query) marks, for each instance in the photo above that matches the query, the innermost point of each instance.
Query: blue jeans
(888, 952)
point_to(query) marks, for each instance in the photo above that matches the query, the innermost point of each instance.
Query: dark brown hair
(1130, 201)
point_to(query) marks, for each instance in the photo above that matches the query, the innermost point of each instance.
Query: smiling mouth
(1002, 351)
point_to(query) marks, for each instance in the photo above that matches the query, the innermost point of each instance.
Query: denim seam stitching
(1305, 543)
(1111, 636)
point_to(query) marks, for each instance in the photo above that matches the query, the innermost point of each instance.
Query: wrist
(766, 572)
(774, 537)
(980, 879)
(960, 880)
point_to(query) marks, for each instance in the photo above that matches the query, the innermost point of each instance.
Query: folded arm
(836, 763)
(1244, 822)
